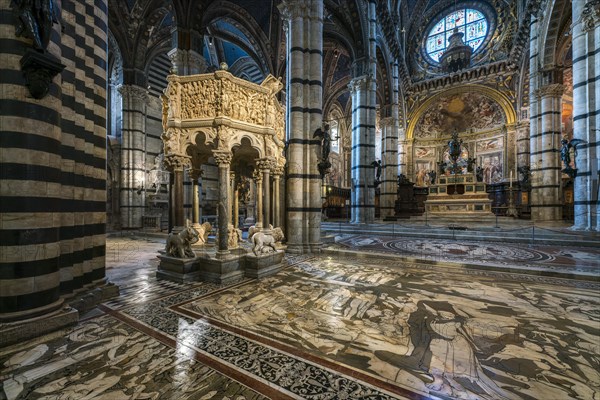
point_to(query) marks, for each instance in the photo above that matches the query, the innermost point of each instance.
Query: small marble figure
(264, 243)
(180, 245)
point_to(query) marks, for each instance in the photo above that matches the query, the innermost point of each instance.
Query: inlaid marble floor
(323, 328)
(583, 260)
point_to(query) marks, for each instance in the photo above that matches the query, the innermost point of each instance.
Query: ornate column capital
(222, 158)
(291, 9)
(360, 83)
(257, 176)
(266, 164)
(133, 92)
(590, 15)
(196, 173)
(554, 90)
(385, 122)
(177, 162)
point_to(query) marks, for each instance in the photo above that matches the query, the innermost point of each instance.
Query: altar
(458, 195)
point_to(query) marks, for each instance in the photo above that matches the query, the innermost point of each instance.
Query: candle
(511, 179)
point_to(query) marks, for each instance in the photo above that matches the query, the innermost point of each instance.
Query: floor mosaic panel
(323, 328)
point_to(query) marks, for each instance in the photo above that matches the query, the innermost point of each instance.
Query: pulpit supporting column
(267, 196)
(223, 160)
(177, 163)
(259, 203)
(276, 199)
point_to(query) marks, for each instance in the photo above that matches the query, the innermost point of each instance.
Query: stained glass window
(468, 21)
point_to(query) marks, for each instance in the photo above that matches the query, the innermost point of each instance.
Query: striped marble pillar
(535, 134)
(362, 201)
(586, 112)
(522, 144)
(132, 155)
(388, 189)
(549, 206)
(304, 90)
(53, 181)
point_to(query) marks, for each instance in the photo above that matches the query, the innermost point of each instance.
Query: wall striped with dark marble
(52, 158)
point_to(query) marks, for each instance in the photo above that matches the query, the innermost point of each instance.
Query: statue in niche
(180, 245)
(325, 137)
(36, 18)
(565, 155)
(378, 166)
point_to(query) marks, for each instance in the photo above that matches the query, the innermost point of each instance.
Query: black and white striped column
(53, 173)
(535, 133)
(388, 190)
(304, 91)
(362, 200)
(548, 190)
(133, 170)
(586, 112)
(364, 115)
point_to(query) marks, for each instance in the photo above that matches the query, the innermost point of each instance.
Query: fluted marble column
(133, 164)
(586, 112)
(303, 23)
(223, 160)
(362, 199)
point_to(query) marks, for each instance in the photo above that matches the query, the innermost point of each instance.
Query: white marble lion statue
(204, 231)
(265, 242)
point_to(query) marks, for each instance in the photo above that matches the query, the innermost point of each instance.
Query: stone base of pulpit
(177, 269)
(221, 270)
(264, 264)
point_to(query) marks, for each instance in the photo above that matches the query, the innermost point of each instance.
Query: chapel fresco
(462, 111)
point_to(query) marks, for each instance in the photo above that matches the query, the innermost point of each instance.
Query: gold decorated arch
(501, 99)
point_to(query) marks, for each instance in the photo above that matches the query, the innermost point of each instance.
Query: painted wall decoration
(492, 165)
(462, 111)
(424, 152)
(489, 144)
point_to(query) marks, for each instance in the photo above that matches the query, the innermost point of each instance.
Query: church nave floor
(326, 327)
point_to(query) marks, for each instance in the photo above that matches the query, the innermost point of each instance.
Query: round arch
(502, 100)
